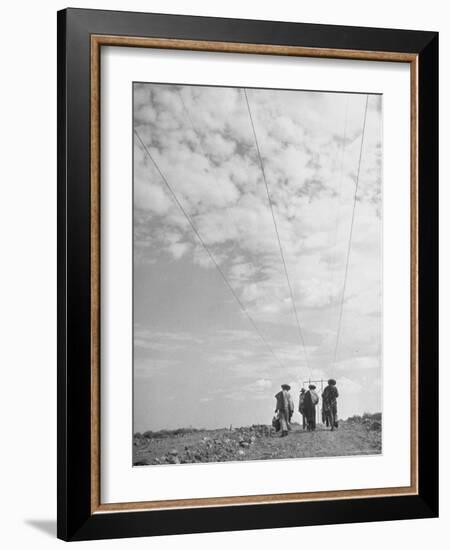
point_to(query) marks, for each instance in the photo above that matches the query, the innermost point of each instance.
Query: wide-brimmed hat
(312, 387)
(285, 387)
(331, 382)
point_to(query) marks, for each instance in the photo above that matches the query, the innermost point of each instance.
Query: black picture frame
(76, 521)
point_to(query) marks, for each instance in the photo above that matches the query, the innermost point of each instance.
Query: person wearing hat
(329, 403)
(284, 408)
(309, 406)
(301, 407)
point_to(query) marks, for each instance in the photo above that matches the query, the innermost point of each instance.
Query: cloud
(359, 363)
(202, 141)
(348, 387)
(148, 369)
(263, 384)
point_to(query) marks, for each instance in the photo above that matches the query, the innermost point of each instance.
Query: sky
(209, 356)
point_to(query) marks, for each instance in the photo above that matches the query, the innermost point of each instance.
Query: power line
(188, 115)
(351, 232)
(336, 225)
(294, 309)
(199, 237)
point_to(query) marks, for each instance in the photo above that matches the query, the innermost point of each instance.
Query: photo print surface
(257, 282)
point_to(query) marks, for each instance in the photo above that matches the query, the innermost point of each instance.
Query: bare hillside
(355, 436)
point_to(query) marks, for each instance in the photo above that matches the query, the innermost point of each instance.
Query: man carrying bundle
(285, 408)
(309, 407)
(301, 406)
(329, 403)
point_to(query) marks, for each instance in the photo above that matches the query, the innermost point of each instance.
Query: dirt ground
(362, 437)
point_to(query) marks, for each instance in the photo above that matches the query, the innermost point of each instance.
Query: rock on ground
(258, 442)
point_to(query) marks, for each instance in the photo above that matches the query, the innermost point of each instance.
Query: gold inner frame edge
(97, 41)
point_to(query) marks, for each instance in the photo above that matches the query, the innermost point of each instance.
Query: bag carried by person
(276, 423)
(314, 397)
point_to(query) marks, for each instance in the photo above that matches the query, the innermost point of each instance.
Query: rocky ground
(355, 436)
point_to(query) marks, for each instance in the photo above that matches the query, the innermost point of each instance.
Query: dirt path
(257, 443)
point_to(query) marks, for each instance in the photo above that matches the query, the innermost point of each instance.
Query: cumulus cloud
(202, 141)
(263, 384)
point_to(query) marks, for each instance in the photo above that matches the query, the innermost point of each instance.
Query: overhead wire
(338, 333)
(188, 115)
(210, 254)
(338, 209)
(294, 308)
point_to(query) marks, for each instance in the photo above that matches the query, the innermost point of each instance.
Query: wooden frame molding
(96, 42)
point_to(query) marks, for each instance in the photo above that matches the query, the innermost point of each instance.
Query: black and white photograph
(257, 274)
(224, 280)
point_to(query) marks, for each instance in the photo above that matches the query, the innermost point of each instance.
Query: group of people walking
(308, 400)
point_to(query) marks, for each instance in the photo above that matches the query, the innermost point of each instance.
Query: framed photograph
(247, 287)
